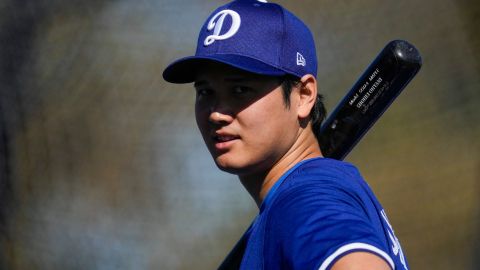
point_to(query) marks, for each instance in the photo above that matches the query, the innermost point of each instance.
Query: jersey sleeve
(317, 224)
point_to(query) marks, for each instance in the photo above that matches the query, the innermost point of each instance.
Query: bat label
(370, 92)
(375, 73)
(366, 95)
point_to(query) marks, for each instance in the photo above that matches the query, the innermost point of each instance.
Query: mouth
(224, 138)
(224, 141)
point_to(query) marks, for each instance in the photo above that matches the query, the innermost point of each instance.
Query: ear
(307, 95)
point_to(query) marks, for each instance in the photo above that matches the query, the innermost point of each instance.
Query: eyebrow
(199, 83)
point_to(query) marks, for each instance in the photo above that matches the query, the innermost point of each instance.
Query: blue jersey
(319, 211)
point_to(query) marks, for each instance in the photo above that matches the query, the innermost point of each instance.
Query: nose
(220, 116)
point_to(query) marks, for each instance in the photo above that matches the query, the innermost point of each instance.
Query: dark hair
(318, 113)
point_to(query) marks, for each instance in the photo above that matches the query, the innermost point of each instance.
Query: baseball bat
(370, 96)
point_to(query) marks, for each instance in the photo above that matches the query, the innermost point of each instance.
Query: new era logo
(301, 60)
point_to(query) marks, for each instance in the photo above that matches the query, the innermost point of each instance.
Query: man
(257, 108)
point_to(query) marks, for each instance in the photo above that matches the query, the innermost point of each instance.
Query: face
(243, 119)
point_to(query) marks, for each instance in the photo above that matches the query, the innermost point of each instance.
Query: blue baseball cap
(254, 36)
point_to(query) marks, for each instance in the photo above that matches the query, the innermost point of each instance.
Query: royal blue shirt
(317, 212)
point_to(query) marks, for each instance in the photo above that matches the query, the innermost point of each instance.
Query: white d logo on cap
(216, 26)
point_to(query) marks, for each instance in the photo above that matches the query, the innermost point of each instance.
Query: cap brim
(185, 69)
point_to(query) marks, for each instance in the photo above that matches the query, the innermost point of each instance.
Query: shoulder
(324, 169)
(324, 176)
(324, 189)
(320, 193)
(322, 208)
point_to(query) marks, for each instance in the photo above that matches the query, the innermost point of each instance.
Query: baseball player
(257, 106)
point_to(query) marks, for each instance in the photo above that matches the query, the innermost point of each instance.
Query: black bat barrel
(371, 95)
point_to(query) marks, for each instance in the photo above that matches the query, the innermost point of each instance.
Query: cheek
(270, 123)
(201, 117)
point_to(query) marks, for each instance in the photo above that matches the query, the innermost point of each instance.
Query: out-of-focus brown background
(102, 166)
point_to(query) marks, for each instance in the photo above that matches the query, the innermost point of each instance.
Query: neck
(258, 185)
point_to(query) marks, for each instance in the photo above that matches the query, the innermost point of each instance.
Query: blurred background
(102, 166)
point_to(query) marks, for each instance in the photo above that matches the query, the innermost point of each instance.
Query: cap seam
(282, 46)
(284, 31)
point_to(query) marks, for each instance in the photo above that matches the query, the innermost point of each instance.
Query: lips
(225, 138)
(223, 141)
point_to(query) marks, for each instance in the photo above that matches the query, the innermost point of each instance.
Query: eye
(202, 92)
(240, 90)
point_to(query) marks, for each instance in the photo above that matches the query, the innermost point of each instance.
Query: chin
(236, 166)
(230, 164)
(229, 167)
